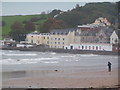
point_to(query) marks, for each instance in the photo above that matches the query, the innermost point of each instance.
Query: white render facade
(114, 39)
(90, 46)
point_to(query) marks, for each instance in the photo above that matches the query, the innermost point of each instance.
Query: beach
(61, 79)
(57, 70)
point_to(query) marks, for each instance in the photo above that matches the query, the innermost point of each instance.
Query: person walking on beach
(109, 67)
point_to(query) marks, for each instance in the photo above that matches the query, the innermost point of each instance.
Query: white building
(90, 46)
(115, 37)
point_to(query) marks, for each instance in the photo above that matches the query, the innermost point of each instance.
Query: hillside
(9, 20)
(77, 16)
(88, 13)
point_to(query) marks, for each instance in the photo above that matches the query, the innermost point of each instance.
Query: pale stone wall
(37, 39)
(113, 38)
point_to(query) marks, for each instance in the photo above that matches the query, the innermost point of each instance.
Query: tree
(29, 26)
(52, 24)
(54, 12)
(17, 33)
(77, 6)
(34, 19)
(2, 23)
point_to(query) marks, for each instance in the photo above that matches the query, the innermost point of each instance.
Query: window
(55, 42)
(58, 38)
(82, 47)
(89, 47)
(55, 38)
(32, 36)
(47, 42)
(100, 47)
(51, 42)
(63, 46)
(44, 37)
(58, 42)
(51, 38)
(47, 37)
(96, 47)
(31, 41)
(63, 38)
(93, 47)
(38, 42)
(63, 42)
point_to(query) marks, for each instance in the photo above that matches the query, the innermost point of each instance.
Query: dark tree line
(19, 30)
(88, 13)
(52, 24)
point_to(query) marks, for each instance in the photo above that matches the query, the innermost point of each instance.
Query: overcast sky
(26, 7)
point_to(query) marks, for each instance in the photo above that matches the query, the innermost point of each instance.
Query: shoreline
(60, 79)
(41, 49)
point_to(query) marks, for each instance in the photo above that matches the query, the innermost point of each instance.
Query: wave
(68, 56)
(39, 59)
(88, 55)
(19, 54)
(51, 62)
(28, 61)
(53, 53)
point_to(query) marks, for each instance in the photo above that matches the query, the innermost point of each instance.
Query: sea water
(14, 60)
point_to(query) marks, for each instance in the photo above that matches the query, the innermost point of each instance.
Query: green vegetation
(88, 13)
(9, 20)
(77, 16)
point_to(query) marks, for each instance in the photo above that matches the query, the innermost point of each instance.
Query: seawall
(42, 49)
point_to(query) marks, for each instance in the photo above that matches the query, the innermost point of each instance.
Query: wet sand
(61, 79)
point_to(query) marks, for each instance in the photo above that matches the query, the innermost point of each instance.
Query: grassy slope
(9, 20)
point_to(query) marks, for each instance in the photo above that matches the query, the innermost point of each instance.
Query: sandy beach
(65, 79)
(57, 70)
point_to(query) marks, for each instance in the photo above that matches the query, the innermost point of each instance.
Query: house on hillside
(102, 21)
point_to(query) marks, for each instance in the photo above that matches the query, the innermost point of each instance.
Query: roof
(62, 31)
(38, 33)
(108, 31)
(118, 33)
(90, 25)
(94, 32)
(89, 33)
